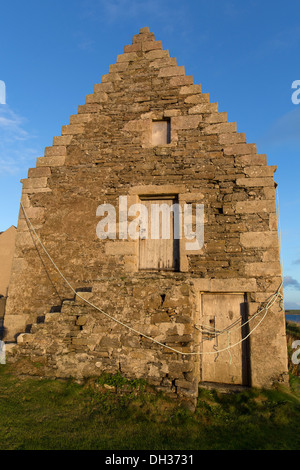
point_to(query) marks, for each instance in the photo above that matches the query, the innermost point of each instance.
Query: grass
(113, 413)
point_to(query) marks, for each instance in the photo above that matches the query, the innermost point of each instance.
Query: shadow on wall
(2, 311)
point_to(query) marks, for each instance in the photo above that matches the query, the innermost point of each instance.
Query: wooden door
(159, 249)
(224, 358)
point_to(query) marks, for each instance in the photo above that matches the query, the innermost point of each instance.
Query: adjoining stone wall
(106, 152)
(7, 246)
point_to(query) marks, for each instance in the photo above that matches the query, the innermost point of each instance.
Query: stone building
(168, 313)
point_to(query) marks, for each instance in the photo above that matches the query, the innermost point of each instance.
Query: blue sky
(244, 53)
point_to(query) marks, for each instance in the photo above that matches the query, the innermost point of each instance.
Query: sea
(293, 318)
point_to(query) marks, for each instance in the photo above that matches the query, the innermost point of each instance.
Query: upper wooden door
(158, 247)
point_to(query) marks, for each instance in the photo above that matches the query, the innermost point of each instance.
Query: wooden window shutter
(159, 253)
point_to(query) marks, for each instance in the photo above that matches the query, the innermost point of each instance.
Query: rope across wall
(264, 308)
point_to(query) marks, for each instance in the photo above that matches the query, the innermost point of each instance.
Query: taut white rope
(279, 229)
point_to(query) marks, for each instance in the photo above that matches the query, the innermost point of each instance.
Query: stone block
(220, 128)
(111, 77)
(151, 45)
(79, 119)
(262, 269)
(143, 37)
(159, 317)
(181, 80)
(107, 87)
(133, 47)
(237, 284)
(260, 171)
(204, 108)
(171, 71)
(153, 189)
(171, 113)
(190, 90)
(82, 296)
(271, 255)
(184, 384)
(247, 160)
(81, 321)
(25, 198)
(185, 122)
(233, 285)
(62, 140)
(240, 149)
(55, 150)
(197, 99)
(91, 108)
(178, 339)
(32, 213)
(235, 138)
(33, 183)
(255, 206)
(24, 338)
(53, 317)
(73, 129)
(215, 118)
(97, 98)
(50, 161)
(273, 225)
(255, 182)
(119, 67)
(118, 248)
(40, 172)
(259, 239)
(138, 125)
(164, 63)
(128, 56)
(157, 54)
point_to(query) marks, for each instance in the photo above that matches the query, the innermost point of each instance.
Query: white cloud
(116, 9)
(16, 143)
(288, 305)
(172, 15)
(285, 39)
(284, 130)
(11, 123)
(289, 281)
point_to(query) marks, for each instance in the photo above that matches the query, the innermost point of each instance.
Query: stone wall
(105, 152)
(7, 245)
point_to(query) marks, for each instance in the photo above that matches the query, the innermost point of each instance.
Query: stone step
(9, 347)
(73, 308)
(60, 317)
(83, 295)
(70, 315)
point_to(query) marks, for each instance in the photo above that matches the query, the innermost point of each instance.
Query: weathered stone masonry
(105, 152)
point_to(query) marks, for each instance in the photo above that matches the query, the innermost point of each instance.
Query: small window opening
(161, 132)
